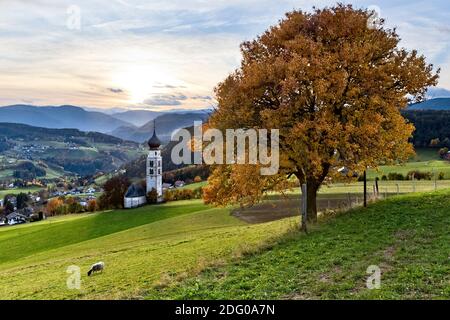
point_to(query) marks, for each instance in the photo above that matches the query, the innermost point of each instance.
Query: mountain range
(166, 124)
(62, 117)
(432, 104)
(134, 125)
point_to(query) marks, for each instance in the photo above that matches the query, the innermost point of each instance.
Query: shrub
(441, 175)
(75, 207)
(443, 151)
(152, 196)
(384, 178)
(182, 194)
(395, 176)
(418, 175)
(92, 205)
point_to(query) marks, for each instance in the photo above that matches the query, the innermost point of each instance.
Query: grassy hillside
(141, 248)
(188, 250)
(3, 193)
(62, 151)
(408, 237)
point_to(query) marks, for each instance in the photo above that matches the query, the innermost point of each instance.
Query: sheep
(99, 266)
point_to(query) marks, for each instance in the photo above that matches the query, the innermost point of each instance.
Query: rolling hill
(62, 150)
(137, 117)
(60, 117)
(432, 104)
(165, 125)
(186, 250)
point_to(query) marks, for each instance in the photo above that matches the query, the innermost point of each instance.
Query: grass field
(193, 186)
(407, 237)
(141, 248)
(17, 191)
(426, 160)
(188, 250)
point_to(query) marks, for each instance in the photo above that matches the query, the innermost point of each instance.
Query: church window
(151, 163)
(151, 171)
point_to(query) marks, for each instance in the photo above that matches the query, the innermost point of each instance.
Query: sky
(160, 54)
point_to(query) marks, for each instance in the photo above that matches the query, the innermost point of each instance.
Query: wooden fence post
(365, 189)
(304, 208)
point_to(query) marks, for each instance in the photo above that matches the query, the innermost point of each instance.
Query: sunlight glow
(140, 83)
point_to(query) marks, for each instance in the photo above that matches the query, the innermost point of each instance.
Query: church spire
(154, 143)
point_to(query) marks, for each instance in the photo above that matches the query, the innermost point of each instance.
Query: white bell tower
(154, 165)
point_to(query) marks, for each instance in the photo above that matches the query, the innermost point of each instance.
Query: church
(136, 194)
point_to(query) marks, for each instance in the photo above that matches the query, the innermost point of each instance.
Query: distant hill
(135, 169)
(65, 150)
(31, 133)
(60, 117)
(137, 117)
(432, 104)
(434, 92)
(429, 124)
(165, 125)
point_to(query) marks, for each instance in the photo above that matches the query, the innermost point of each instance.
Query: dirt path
(284, 208)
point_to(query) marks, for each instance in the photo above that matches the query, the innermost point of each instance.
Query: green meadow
(406, 237)
(142, 249)
(3, 193)
(188, 250)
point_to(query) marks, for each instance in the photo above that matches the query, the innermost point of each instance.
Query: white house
(135, 196)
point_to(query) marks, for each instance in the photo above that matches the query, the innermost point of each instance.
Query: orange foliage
(53, 205)
(334, 87)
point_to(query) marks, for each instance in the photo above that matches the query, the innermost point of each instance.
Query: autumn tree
(92, 205)
(152, 196)
(114, 191)
(53, 206)
(334, 84)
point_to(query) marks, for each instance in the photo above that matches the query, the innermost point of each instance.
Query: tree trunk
(311, 202)
(312, 186)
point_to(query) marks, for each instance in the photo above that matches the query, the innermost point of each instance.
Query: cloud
(167, 86)
(165, 100)
(134, 47)
(202, 98)
(115, 90)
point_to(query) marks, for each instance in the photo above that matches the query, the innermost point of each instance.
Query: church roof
(135, 191)
(154, 142)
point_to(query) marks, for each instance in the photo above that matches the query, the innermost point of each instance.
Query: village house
(179, 183)
(135, 196)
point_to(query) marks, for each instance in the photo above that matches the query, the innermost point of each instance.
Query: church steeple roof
(154, 142)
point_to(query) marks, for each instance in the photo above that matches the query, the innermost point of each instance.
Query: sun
(140, 83)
